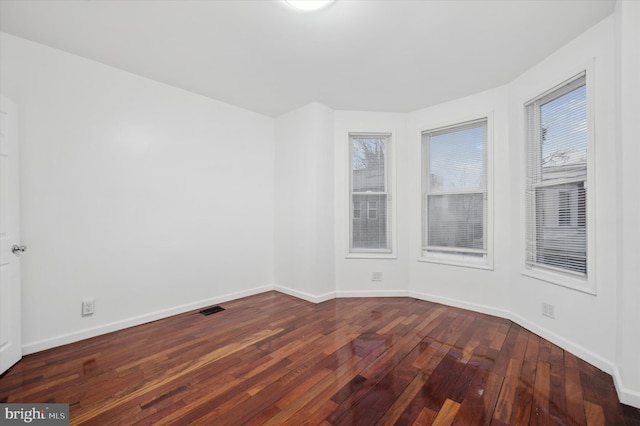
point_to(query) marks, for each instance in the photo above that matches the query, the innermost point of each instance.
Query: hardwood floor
(273, 359)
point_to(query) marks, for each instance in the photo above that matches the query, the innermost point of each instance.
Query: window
(557, 138)
(454, 205)
(370, 190)
(372, 210)
(356, 209)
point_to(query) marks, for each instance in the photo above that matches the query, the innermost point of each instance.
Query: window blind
(370, 212)
(455, 196)
(556, 231)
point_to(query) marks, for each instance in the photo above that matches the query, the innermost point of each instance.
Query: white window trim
(390, 171)
(561, 278)
(458, 259)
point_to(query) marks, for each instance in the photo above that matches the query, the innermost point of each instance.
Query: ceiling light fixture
(309, 5)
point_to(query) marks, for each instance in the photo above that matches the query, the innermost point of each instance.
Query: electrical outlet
(376, 276)
(548, 310)
(88, 307)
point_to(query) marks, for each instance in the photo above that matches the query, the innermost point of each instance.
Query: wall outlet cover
(88, 307)
(548, 310)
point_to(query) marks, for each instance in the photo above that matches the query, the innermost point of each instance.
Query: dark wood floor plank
(345, 380)
(506, 351)
(573, 389)
(594, 414)
(515, 349)
(402, 401)
(506, 402)
(370, 401)
(631, 415)
(500, 335)
(425, 417)
(277, 360)
(541, 393)
(524, 391)
(557, 385)
(479, 402)
(445, 372)
(608, 399)
(447, 413)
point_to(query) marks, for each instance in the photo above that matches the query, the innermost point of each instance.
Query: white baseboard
(626, 396)
(303, 295)
(339, 294)
(483, 309)
(372, 293)
(64, 339)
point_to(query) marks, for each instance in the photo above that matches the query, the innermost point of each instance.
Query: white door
(10, 248)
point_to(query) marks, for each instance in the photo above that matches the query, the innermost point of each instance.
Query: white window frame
(389, 167)
(583, 283)
(457, 257)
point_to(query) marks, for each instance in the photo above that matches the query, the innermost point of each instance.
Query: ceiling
(262, 55)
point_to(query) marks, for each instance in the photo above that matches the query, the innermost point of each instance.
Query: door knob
(16, 249)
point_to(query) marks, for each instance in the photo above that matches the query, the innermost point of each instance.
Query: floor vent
(211, 310)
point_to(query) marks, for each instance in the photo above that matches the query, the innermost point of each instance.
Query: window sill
(578, 284)
(458, 260)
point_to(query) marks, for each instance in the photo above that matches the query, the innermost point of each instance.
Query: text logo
(36, 414)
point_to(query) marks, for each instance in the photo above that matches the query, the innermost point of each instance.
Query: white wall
(150, 199)
(584, 323)
(627, 142)
(484, 290)
(304, 203)
(354, 274)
